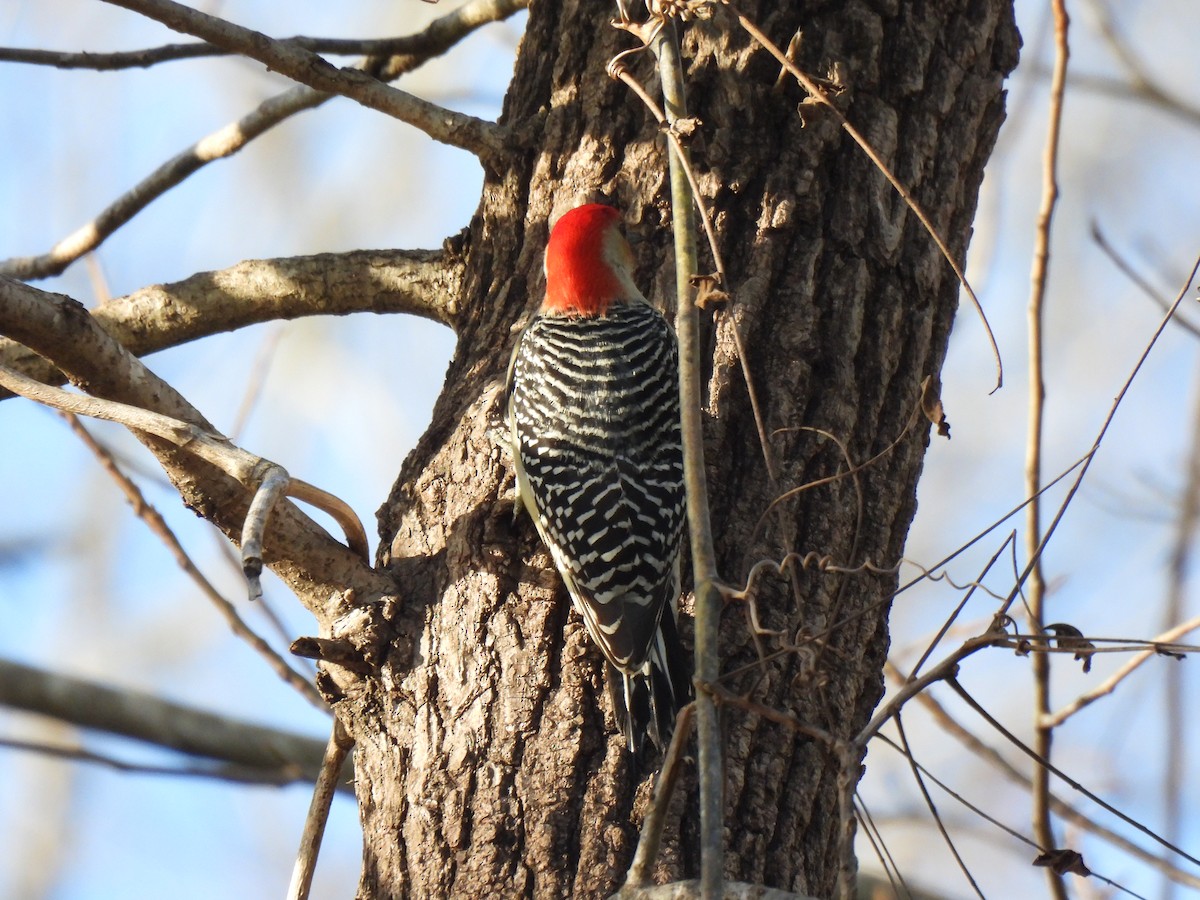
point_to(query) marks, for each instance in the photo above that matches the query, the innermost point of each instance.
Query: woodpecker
(593, 409)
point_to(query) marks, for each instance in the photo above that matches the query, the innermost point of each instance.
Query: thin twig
(652, 826)
(1175, 705)
(427, 43)
(408, 54)
(963, 548)
(1110, 684)
(1062, 809)
(1075, 785)
(234, 773)
(946, 670)
(617, 70)
(906, 750)
(882, 853)
(1143, 86)
(1149, 94)
(991, 820)
(239, 464)
(950, 619)
(155, 522)
(708, 597)
(1108, 420)
(146, 717)
(487, 140)
(818, 93)
(340, 744)
(1043, 826)
(1133, 275)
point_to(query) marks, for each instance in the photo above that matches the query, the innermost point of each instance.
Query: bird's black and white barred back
(594, 416)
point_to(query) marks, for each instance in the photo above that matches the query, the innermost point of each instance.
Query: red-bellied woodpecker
(593, 407)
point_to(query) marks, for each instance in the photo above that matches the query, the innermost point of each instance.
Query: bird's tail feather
(647, 701)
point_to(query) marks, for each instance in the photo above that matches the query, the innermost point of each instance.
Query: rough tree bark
(488, 764)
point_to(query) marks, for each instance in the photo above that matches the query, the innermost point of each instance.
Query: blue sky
(344, 399)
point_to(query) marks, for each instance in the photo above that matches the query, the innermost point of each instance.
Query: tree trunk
(488, 761)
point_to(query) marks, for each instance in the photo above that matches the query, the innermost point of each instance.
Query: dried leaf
(685, 127)
(1071, 638)
(1063, 862)
(709, 295)
(931, 405)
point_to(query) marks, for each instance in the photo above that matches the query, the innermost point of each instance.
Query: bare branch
(441, 34)
(268, 481)
(59, 329)
(1110, 684)
(704, 564)
(1108, 420)
(664, 787)
(107, 62)
(1142, 86)
(485, 139)
(148, 718)
(408, 54)
(1043, 762)
(336, 751)
(315, 566)
(155, 522)
(1127, 269)
(1043, 825)
(1062, 809)
(423, 283)
(918, 771)
(229, 772)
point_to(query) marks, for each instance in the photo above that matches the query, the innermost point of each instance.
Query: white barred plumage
(593, 406)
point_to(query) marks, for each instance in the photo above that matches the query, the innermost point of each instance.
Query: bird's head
(589, 264)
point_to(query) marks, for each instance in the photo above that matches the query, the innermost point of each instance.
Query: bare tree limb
(148, 718)
(58, 328)
(108, 62)
(486, 140)
(407, 54)
(315, 566)
(228, 772)
(155, 522)
(436, 39)
(423, 283)
(269, 482)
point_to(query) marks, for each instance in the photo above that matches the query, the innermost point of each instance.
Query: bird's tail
(647, 701)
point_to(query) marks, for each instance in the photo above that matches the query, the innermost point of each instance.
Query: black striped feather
(594, 412)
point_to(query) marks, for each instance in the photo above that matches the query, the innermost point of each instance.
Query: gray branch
(423, 283)
(486, 140)
(405, 54)
(441, 34)
(148, 718)
(315, 566)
